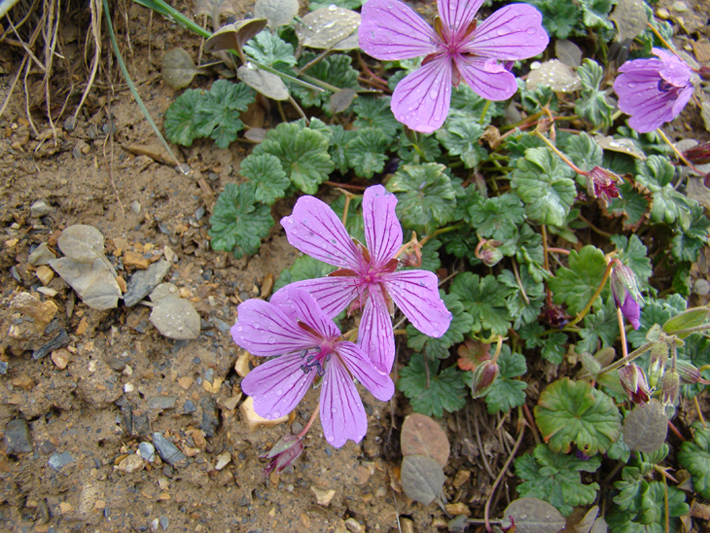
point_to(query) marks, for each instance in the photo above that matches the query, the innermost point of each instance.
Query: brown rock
(458, 508)
(701, 48)
(323, 497)
(253, 420)
(23, 381)
(45, 274)
(60, 358)
(135, 260)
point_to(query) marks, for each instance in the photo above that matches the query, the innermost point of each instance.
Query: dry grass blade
(96, 12)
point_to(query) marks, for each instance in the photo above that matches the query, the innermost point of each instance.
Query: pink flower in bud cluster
(602, 184)
(634, 382)
(653, 91)
(456, 48)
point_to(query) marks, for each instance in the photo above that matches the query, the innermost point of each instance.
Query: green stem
(439, 232)
(596, 294)
(560, 154)
(626, 360)
(173, 14)
(134, 91)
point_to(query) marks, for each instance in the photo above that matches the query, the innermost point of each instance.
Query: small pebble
(60, 358)
(680, 7)
(701, 287)
(136, 207)
(17, 436)
(168, 451)
(42, 255)
(189, 407)
(164, 522)
(146, 451)
(44, 274)
(662, 13)
(323, 497)
(353, 525)
(39, 209)
(223, 459)
(59, 460)
(161, 402)
(130, 464)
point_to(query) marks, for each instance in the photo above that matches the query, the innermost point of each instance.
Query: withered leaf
(176, 318)
(341, 100)
(630, 18)
(234, 36)
(277, 12)
(329, 28)
(178, 68)
(533, 515)
(422, 478)
(268, 84)
(645, 427)
(421, 435)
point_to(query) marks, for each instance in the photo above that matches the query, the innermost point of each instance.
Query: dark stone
(168, 451)
(210, 417)
(142, 283)
(189, 407)
(60, 341)
(141, 426)
(116, 363)
(17, 436)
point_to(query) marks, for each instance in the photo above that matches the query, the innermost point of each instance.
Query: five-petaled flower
(653, 91)
(456, 48)
(308, 345)
(368, 277)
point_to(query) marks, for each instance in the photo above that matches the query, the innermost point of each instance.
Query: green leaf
(439, 347)
(346, 4)
(506, 392)
(601, 326)
(420, 149)
(530, 252)
(554, 348)
(632, 253)
(656, 173)
(267, 175)
(340, 137)
(542, 183)
(217, 112)
(631, 204)
(559, 17)
(179, 118)
(575, 412)
(556, 478)
(466, 104)
(592, 104)
(445, 390)
(655, 312)
(583, 151)
(574, 286)
(695, 458)
(303, 153)
(460, 137)
(269, 49)
(497, 217)
(485, 300)
(642, 504)
(366, 152)
(376, 113)
(426, 196)
(304, 267)
(334, 69)
(596, 13)
(239, 222)
(527, 298)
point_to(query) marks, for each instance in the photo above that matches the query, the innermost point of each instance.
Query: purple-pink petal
(333, 294)
(380, 385)
(674, 70)
(307, 311)
(277, 385)
(456, 15)
(421, 100)
(416, 293)
(631, 310)
(487, 78)
(265, 330)
(316, 230)
(383, 232)
(376, 336)
(342, 414)
(391, 30)
(512, 32)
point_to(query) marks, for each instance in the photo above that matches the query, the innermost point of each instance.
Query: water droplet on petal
(531, 31)
(279, 392)
(272, 340)
(239, 328)
(433, 94)
(632, 85)
(276, 414)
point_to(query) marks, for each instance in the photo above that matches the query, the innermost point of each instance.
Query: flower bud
(284, 452)
(698, 155)
(488, 252)
(626, 294)
(670, 390)
(483, 377)
(689, 373)
(602, 185)
(634, 382)
(657, 362)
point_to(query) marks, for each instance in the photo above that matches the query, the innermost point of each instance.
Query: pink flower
(368, 276)
(456, 48)
(308, 344)
(653, 91)
(626, 293)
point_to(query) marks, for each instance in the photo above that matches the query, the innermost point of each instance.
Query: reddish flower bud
(488, 252)
(698, 155)
(284, 452)
(689, 373)
(483, 377)
(626, 294)
(602, 185)
(634, 382)
(670, 390)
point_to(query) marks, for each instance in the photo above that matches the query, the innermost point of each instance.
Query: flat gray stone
(17, 436)
(60, 460)
(168, 451)
(146, 451)
(143, 282)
